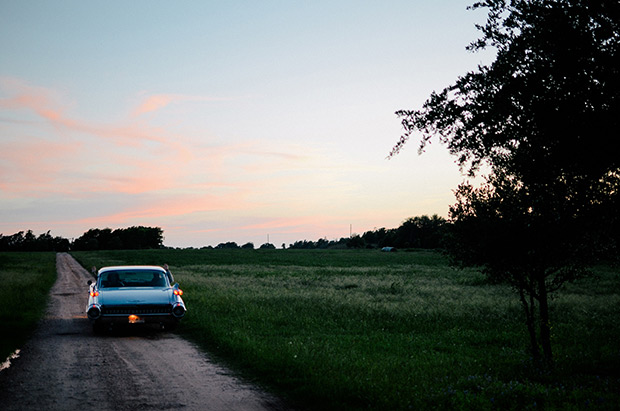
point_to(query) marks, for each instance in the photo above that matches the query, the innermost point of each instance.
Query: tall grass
(25, 281)
(363, 329)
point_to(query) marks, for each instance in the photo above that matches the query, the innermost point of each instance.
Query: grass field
(25, 281)
(368, 330)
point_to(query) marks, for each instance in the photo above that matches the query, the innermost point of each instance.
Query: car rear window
(132, 278)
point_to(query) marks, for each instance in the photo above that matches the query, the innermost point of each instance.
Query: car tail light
(94, 293)
(178, 291)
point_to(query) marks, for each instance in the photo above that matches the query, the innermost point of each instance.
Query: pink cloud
(150, 158)
(88, 150)
(39, 168)
(32, 164)
(153, 103)
(165, 176)
(46, 104)
(159, 101)
(157, 211)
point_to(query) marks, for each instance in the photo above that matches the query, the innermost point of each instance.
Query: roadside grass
(25, 282)
(367, 330)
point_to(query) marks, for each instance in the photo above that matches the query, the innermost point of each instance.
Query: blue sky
(223, 121)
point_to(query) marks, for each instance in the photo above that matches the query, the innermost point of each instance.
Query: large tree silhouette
(543, 117)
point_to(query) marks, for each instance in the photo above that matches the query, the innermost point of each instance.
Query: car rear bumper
(135, 314)
(136, 319)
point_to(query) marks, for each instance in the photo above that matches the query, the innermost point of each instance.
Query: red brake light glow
(178, 291)
(94, 293)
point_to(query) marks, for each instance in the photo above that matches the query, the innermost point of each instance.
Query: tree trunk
(545, 327)
(530, 320)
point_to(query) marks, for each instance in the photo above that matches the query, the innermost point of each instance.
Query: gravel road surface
(66, 367)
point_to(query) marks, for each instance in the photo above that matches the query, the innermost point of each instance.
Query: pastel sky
(223, 120)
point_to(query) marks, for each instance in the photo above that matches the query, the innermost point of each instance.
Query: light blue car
(129, 295)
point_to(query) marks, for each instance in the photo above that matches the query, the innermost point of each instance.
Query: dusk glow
(223, 121)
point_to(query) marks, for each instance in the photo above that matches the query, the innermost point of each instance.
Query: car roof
(132, 267)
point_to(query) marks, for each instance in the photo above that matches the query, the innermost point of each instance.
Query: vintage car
(134, 295)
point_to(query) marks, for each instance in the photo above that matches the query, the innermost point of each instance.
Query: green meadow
(361, 329)
(25, 281)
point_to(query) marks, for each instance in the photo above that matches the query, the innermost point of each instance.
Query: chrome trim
(94, 312)
(178, 311)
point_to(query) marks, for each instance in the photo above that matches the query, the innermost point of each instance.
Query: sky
(222, 121)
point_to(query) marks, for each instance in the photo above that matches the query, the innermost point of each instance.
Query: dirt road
(66, 367)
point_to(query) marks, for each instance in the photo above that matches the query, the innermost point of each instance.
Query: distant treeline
(132, 238)
(29, 242)
(416, 232)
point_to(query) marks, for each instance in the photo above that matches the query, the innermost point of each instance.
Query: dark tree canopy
(131, 238)
(547, 106)
(543, 117)
(29, 242)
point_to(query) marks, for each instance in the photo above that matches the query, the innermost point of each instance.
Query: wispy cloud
(125, 157)
(155, 211)
(163, 173)
(159, 101)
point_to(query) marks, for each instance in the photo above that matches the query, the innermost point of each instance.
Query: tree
(227, 245)
(420, 232)
(30, 242)
(542, 117)
(137, 237)
(131, 238)
(355, 241)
